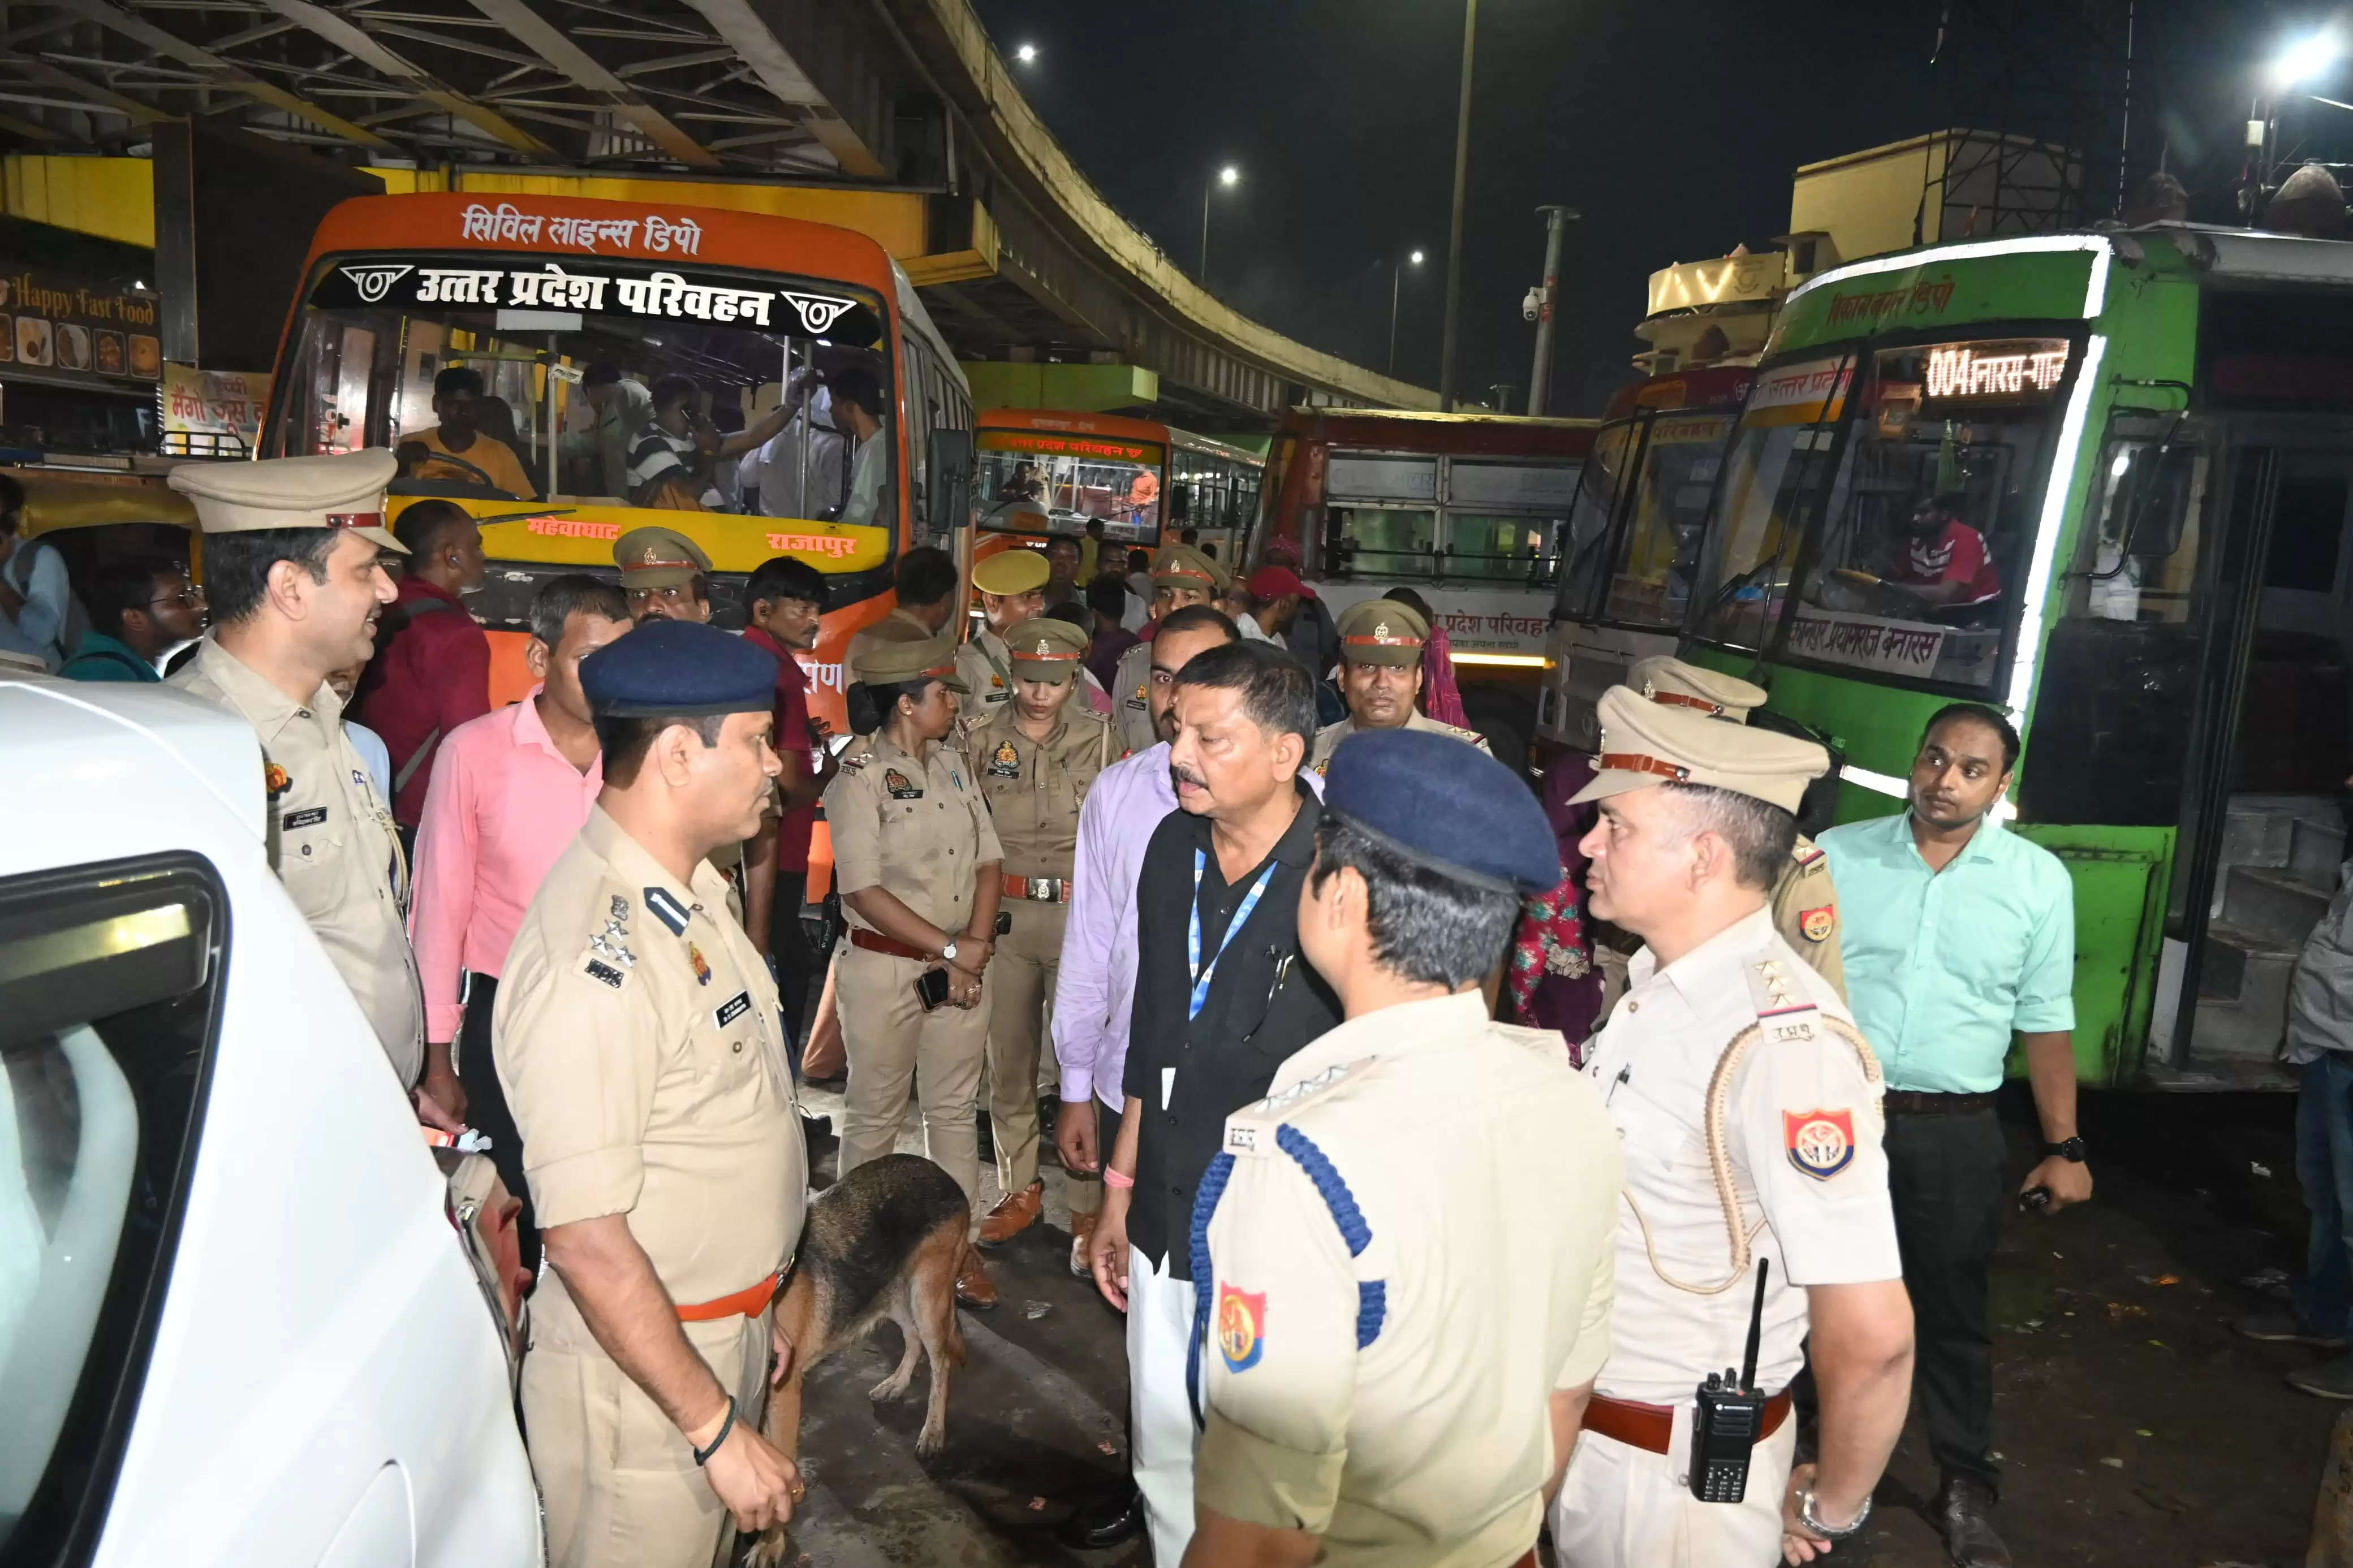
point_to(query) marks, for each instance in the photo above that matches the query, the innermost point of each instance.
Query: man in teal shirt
(1959, 936)
(140, 610)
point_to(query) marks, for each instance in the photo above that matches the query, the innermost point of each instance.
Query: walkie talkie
(1731, 1417)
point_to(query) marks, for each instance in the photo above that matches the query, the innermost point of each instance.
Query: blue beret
(669, 669)
(1446, 805)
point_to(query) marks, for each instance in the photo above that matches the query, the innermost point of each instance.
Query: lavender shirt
(1096, 985)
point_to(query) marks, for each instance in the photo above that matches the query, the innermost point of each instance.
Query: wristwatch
(2072, 1149)
(1807, 1517)
(948, 953)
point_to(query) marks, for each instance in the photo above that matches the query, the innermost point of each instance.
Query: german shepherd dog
(885, 1241)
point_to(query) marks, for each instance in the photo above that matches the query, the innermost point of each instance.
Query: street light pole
(1557, 221)
(1397, 276)
(1227, 177)
(1454, 234)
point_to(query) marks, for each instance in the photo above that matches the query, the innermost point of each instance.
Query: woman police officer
(917, 861)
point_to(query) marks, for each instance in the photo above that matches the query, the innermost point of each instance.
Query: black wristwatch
(2072, 1149)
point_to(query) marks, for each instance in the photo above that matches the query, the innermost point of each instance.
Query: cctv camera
(1531, 307)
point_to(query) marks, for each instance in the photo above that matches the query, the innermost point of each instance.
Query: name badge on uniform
(896, 782)
(309, 817)
(734, 1007)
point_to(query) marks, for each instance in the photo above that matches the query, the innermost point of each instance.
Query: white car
(237, 1324)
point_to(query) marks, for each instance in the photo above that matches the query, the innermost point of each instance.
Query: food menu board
(59, 328)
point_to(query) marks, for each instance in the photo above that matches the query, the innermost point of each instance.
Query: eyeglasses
(188, 598)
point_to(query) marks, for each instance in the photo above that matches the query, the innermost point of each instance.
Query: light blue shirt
(1942, 967)
(374, 754)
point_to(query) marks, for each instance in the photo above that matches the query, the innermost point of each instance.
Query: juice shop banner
(77, 330)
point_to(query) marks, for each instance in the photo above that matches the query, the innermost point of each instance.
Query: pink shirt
(503, 803)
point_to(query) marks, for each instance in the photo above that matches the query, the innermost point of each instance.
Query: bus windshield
(1040, 482)
(1912, 532)
(604, 381)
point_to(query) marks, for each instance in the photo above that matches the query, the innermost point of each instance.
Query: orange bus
(1046, 472)
(574, 314)
(1468, 510)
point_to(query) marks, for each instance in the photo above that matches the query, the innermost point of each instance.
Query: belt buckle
(1041, 890)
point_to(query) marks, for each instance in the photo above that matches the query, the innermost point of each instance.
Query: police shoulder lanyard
(1204, 973)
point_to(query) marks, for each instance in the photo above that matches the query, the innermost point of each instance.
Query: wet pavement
(2135, 1427)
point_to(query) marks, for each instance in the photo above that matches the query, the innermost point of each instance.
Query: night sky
(1674, 127)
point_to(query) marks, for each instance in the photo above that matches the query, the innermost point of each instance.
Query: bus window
(1777, 477)
(2139, 560)
(1035, 482)
(1586, 538)
(1512, 549)
(664, 391)
(1383, 541)
(1650, 582)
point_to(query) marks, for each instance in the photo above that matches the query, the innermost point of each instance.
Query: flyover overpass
(895, 117)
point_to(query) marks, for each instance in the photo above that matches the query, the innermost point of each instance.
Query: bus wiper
(519, 516)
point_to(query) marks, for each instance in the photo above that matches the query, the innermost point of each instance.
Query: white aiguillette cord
(1719, 1158)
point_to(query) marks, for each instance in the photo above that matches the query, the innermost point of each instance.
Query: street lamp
(1228, 178)
(1396, 274)
(1027, 54)
(2294, 67)
(2305, 59)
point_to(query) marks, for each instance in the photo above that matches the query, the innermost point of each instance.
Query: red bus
(1468, 510)
(1048, 471)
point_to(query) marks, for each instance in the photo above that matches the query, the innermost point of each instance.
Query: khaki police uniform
(1805, 899)
(1182, 567)
(920, 829)
(1384, 1334)
(1736, 1080)
(1331, 735)
(1034, 790)
(641, 1046)
(329, 834)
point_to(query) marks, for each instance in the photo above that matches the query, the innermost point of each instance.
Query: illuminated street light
(1027, 54)
(1396, 275)
(1228, 178)
(2306, 59)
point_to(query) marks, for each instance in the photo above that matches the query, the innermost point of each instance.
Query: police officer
(1012, 585)
(1396, 1361)
(1380, 676)
(642, 1047)
(918, 862)
(1036, 757)
(1805, 901)
(1181, 576)
(1748, 1110)
(293, 565)
(665, 574)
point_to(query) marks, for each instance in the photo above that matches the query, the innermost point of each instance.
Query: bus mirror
(949, 468)
(2157, 498)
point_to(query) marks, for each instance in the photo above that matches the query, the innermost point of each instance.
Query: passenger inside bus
(672, 464)
(458, 447)
(859, 409)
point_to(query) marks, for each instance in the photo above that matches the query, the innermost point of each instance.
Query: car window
(110, 978)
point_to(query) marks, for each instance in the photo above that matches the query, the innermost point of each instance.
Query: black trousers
(1945, 1175)
(795, 963)
(486, 1106)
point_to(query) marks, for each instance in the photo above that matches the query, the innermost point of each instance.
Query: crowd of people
(1239, 886)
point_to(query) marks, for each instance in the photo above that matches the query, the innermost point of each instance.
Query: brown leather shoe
(1082, 1231)
(974, 1287)
(1014, 1213)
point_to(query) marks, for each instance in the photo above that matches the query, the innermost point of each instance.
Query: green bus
(2103, 481)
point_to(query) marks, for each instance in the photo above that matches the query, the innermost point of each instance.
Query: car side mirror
(950, 463)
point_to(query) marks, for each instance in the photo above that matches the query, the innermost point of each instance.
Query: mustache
(1180, 774)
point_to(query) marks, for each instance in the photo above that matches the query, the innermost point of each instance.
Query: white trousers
(1621, 1507)
(1159, 1328)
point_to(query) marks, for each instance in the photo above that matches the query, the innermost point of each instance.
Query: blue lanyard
(1202, 976)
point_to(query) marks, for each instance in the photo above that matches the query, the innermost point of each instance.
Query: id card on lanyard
(1203, 973)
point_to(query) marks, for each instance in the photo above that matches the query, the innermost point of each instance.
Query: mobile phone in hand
(932, 989)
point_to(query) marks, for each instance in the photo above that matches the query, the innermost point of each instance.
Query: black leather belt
(1919, 1103)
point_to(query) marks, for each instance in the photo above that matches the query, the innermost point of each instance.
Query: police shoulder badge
(1241, 1327)
(1006, 763)
(1817, 923)
(896, 782)
(1821, 1143)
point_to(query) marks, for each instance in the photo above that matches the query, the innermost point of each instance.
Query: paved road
(2136, 1429)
